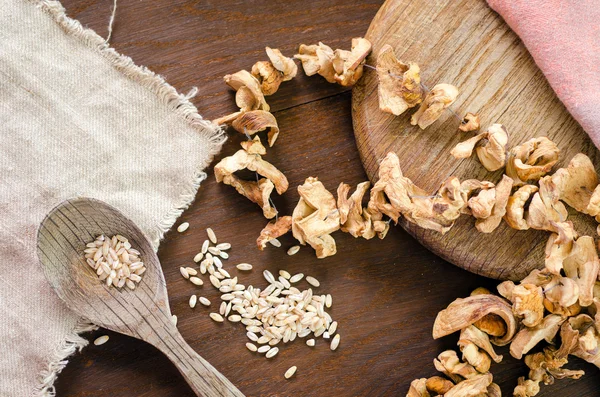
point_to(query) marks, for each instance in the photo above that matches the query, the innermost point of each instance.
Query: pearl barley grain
(101, 340)
(335, 342)
(183, 227)
(290, 372)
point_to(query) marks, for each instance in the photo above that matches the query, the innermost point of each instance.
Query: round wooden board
(467, 44)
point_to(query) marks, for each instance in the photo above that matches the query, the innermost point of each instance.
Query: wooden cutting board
(466, 44)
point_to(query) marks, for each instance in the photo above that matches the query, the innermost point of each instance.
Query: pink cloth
(563, 36)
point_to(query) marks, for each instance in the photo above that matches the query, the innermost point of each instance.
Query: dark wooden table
(386, 293)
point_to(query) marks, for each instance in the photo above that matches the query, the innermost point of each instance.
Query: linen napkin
(563, 36)
(78, 119)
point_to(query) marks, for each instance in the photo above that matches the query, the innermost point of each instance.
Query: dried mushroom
(450, 365)
(268, 77)
(395, 195)
(463, 312)
(355, 219)
(489, 145)
(253, 90)
(490, 223)
(582, 265)
(544, 367)
(439, 98)
(256, 191)
(527, 338)
(545, 207)
(438, 385)
(470, 123)
(577, 182)
(339, 66)
(316, 217)
(559, 245)
(397, 94)
(254, 146)
(472, 387)
(284, 64)
(527, 300)
(480, 197)
(418, 388)
(274, 230)
(472, 335)
(515, 208)
(348, 65)
(531, 160)
(254, 121)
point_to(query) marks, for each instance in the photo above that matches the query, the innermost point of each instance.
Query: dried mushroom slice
(255, 121)
(577, 182)
(559, 246)
(582, 265)
(515, 208)
(527, 300)
(489, 145)
(480, 195)
(593, 207)
(348, 65)
(587, 345)
(473, 335)
(472, 387)
(438, 385)
(448, 363)
(545, 207)
(393, 186)
(527, 338)
(463, 312)
(316, 217)
(253, 162)
(531, 160)
(440, 211)
(490, 223)
(439, 98)
(274, 230)
(562, 291)
(245, 99)
(355, 219)
(268, 77)
(492, 153)
(258, 192)
(470, 123)
(418, 388)
(284, 64)
(397, 94)
(243, 78)
(317, 58)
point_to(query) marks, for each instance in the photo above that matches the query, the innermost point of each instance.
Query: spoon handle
(202, 377)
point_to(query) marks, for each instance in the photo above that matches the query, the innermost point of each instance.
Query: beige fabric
(76, 118)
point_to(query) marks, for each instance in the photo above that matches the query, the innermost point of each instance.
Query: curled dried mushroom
(256, 191)
(502, 194)
(439, 98)
(315, 217)
(254, 121)
(399, 85)
(489, 145)
(355, 219)
(531, 160)
(252, 90)
(274, 230)
(284, 64)
(464, 312)
(515, 208)
(577, 182)
(339, 66)
(527, 300)
(268, 77)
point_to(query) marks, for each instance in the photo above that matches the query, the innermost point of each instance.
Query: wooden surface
(466, 44)
(386, 293)
(143, 312)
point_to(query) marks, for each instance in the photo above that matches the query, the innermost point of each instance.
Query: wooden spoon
(142, 313)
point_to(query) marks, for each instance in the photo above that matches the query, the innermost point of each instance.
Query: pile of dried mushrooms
(559, 305)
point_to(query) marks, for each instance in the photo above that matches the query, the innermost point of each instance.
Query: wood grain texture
(143, 312)
(466, 44)
(386, 293)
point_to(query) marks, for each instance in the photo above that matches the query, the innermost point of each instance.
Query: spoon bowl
(143, 312)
